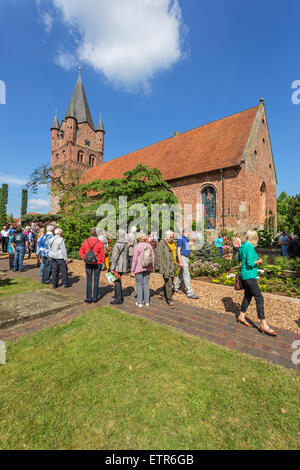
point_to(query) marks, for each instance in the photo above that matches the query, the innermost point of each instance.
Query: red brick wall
(259, 169)
(245, 206)
(66, 148)
(188, 190)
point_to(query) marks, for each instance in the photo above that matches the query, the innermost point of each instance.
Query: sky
(150, 67)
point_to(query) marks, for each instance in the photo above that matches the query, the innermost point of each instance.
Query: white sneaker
(147, 305)
(139, 305)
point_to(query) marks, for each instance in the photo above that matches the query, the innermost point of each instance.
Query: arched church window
(80, 157)
(208, 196)
(91, 160)
(263, 190)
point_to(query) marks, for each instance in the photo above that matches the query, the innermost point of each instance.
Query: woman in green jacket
(250, 260)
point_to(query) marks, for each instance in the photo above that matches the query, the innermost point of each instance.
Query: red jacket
(98, 249)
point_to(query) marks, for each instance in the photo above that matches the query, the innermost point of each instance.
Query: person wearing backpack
(119, 264)
(92, 253)
(142, 266)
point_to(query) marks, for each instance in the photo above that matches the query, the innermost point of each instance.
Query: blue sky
(187, 66)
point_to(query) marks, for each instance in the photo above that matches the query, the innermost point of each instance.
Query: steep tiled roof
(220, 144)
(78, 106)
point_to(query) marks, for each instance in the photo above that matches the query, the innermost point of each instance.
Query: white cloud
(47, 20)
(45, 17)
(38, 204)
(129, 41)
(14, 181)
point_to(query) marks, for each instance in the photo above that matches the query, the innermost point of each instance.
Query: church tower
(76, 143)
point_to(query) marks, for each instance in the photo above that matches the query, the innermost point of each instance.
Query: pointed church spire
(100, 126)
(78, 106)
(55, 124)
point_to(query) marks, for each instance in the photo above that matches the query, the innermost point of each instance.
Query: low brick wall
(272, 253)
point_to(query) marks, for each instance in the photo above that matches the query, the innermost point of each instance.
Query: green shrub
(76, 230)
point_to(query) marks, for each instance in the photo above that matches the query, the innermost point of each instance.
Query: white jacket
(57, 248)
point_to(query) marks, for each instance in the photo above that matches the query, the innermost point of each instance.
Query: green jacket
(164, 259)
(247, 255)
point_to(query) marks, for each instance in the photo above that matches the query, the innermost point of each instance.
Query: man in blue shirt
(284, 243)
(183, 254)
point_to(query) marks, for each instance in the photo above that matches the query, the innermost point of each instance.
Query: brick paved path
(220, 329)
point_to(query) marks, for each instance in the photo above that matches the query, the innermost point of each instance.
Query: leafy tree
(24, 202)
(283, 204)
(288, 213)
(3, 204)
(75, 231)
(142, 185)
(293, 217)
(61, 180)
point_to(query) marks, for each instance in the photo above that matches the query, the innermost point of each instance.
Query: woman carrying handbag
(250, 260)
(119, 264)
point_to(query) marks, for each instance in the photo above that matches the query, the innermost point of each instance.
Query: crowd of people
(289, 246)
(140, 255)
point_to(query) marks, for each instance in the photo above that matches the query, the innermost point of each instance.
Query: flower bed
(282, 277)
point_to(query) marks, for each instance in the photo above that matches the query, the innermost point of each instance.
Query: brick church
(227, 165)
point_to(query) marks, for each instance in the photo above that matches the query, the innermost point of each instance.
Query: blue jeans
(47, 270)
(91, 269)
(42, 268)
(220, 251)
(142, 287)
(19, 257)
(284, 250)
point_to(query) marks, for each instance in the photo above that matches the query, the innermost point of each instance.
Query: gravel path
(280, 312)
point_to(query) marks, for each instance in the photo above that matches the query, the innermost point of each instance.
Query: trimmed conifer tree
(3, 204)
(24, 202)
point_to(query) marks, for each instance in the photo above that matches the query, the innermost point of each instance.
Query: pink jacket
(136, 266)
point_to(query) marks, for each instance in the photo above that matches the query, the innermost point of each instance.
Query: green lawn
(18, 286)
(108, 380)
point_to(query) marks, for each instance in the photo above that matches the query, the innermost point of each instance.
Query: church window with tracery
(209, 206)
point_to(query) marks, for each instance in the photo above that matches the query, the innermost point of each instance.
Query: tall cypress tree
(3, 204)
(24, 202)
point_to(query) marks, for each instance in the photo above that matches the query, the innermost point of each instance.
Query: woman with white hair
(58, 257)
(142, 266)
(250, 261)
(164, 263)
(119, 264)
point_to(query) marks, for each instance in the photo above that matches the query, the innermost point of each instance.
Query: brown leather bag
(238, 283)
